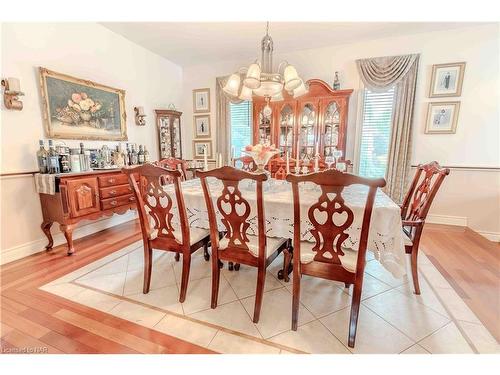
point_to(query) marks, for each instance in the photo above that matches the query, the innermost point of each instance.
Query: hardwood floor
(35, 321)
(42, 322)
(471, 264)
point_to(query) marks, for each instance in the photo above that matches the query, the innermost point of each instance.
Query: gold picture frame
(202, 126)
(75, 108)
(442, 117)
(447, 80)
(197, 154)
(201, 100)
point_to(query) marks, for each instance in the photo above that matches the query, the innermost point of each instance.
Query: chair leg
(296, 297)
(353, 322)
(414, 270)
(148, 265)
(287, 258)
(261, 280)
(206, 254)
(186, 265)
(215, 278)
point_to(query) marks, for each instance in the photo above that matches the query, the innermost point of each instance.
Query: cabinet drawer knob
(111, 180)
(112, 192)
(113, 203)
(131, 199)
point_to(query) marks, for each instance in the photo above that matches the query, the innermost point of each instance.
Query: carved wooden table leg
(67, 229)
(46, 229)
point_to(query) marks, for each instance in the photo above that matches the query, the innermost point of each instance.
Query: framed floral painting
(75, 108)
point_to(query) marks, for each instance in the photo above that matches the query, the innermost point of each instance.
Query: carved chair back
(331, 217)
(247, 163)
(155, 204)
(422, 191)
(234, 209)
(175, 164)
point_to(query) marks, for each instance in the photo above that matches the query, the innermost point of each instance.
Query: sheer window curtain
(379, 74)
(223, 119)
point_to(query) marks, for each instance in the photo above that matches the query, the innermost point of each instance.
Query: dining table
(385, 238)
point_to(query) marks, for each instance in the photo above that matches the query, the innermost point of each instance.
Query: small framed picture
(201, 100)
(202, 126)
(442, 117)
(200, 147)
(447, 80)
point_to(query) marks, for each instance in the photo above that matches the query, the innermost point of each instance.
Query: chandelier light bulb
(292, 80)
(252, 79)
(232, 85)
(246, 93)
(301, 90)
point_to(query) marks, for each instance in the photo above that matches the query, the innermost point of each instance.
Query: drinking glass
(329, 160)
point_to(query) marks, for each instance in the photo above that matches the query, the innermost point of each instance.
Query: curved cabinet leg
(67, 229)
(46, 229)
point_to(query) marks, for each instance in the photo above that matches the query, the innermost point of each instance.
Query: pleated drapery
(223, 119)
(380, 74)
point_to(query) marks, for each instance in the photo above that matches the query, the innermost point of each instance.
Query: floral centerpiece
(261, 154)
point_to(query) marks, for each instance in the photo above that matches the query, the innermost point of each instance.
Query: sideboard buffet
(84, 196)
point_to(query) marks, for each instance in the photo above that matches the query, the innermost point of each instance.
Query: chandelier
(259, 79)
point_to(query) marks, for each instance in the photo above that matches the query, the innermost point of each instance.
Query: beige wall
(471, 197)
(83, 50)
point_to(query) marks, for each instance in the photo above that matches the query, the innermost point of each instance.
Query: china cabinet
(299, 125)
(169, 133)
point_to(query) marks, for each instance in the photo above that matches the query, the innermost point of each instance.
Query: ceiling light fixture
(259, 79)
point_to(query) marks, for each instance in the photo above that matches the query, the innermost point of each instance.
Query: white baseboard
(492, 236)
(29, 248)
(447, 220)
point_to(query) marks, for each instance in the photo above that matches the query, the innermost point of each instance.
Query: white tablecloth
(385, 238)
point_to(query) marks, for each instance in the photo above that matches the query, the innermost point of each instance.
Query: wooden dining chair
(415, 207)
(155, 205)
(330, 217)
(237, 244)
(175, 164)
(247, 163)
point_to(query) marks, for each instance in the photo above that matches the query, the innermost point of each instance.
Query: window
(378, 109)
(241, 126)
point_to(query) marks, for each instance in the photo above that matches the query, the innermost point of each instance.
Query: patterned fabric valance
(379, 73)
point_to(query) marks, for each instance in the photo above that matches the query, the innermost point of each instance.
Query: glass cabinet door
(165, 137)
(264, 127)
(176, 137)
(307, 131)
(285, 133)
(331, 128)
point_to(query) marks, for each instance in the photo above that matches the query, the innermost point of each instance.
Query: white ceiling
(190, 43)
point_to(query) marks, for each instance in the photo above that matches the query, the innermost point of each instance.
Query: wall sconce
(139, 116)
(12, 90)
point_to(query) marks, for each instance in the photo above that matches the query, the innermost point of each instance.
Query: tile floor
(437, 321)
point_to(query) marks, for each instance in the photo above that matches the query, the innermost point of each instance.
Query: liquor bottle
(42, 157)
(83, 163)
(140, 155)
(146, 155)
(128, 160)
(133, 156)
(53, 159)
(336, 82)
